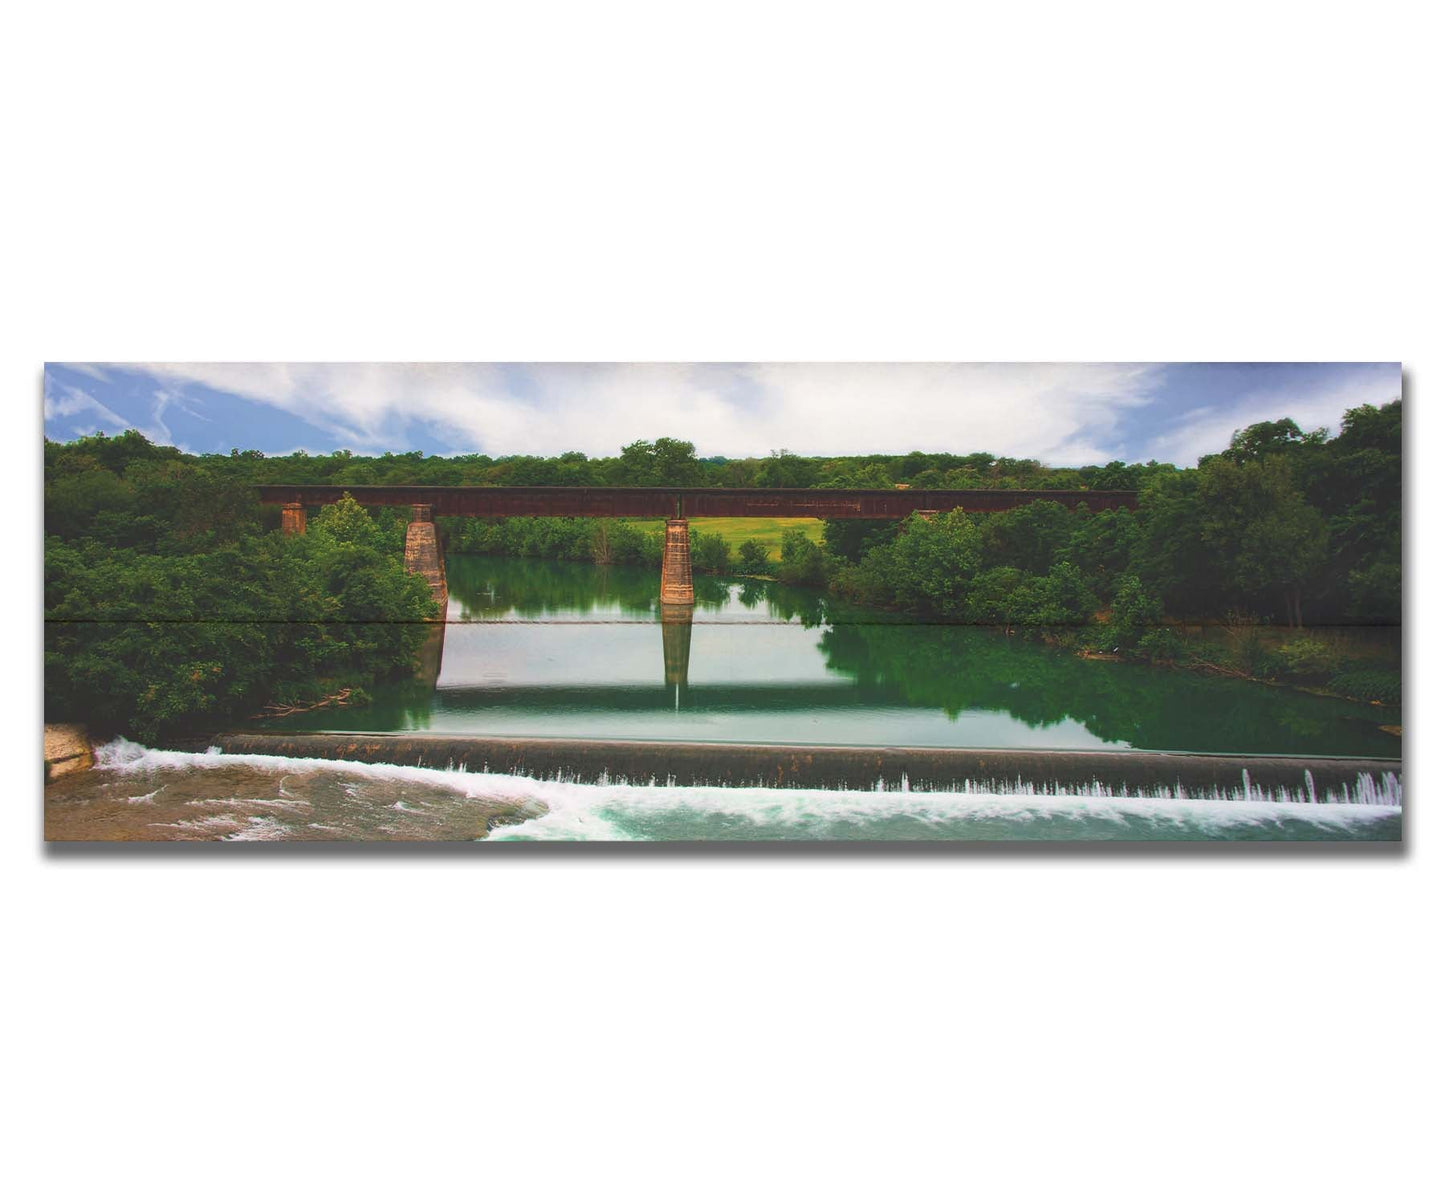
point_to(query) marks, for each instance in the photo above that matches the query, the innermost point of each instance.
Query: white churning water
(288, 798)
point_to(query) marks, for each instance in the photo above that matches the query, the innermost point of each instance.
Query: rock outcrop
(67, 748)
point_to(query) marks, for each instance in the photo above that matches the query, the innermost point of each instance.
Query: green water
(555, 649)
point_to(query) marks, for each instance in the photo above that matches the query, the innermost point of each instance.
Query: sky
(1062, 414)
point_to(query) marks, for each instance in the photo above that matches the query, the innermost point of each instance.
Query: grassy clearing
(767, 531)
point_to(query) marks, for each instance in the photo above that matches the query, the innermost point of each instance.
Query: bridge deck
(600, 502)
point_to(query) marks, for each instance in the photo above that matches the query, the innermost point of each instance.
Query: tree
(784, 470)
(348, 521)
(857, 476)
(669, 462)
(905, 468)
(1172, 557)
(1134, 613)
(709, 552)
(636, 465)
(1058, 599)
(804, 562)
(1267, 538)
(1116, 475)
(933, 562)
(1103, 545)
(676, 463)
(850, 538)
(1269, 439)
(1356, 483)
(1027, 537)
(995, 597)
(753, 557)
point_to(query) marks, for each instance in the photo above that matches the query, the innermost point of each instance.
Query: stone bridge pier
(424, 556)
(676, 568)
(677, 603)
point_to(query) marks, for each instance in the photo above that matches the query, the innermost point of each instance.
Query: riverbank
(133, 793)
(1356, 664)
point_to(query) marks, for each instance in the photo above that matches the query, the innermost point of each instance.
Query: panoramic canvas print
(723, 602)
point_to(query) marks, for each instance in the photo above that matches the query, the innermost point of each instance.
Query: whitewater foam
(608, 809)
(613, 813)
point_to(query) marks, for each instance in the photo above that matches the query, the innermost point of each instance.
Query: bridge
(677, 506)
(515, 501)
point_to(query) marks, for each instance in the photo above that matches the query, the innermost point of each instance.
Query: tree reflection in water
(847, 665)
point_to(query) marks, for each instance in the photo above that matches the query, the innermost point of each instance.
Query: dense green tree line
(1281, 526)
(169, 607)
(659, 462)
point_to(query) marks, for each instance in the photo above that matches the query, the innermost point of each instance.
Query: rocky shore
(67, 749)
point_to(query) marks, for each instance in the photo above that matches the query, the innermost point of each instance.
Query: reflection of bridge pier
(676, 643)
(429, 657)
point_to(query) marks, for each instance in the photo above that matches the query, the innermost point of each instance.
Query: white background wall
(631, 181)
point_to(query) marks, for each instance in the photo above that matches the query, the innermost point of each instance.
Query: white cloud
(1060, 413)
(68, 401)
(93, 371)
(1204, 431)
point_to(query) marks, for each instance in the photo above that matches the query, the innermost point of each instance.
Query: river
(536, 648)
(540, 648)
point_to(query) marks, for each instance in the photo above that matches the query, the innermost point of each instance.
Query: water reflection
(676, 644)
(429, 659)
(485, 589)
(537, 648)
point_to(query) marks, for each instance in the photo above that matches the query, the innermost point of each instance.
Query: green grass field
(768, 531)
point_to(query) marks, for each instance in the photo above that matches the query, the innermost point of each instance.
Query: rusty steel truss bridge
(515, 501)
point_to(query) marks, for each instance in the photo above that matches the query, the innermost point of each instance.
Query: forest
(170, 607)
(173, 603)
